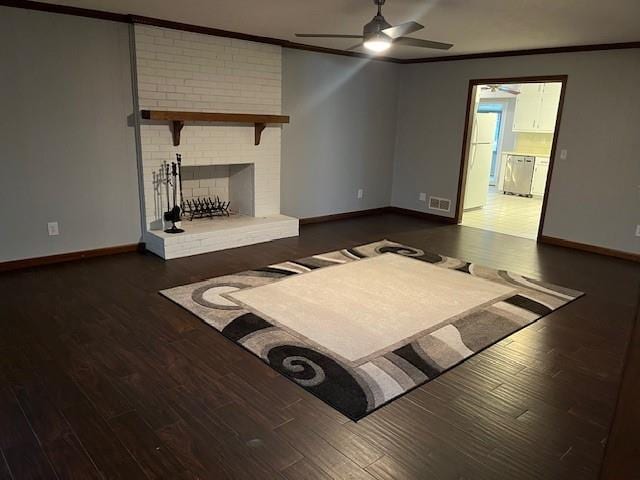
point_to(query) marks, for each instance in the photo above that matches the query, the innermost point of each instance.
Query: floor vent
(442, 204)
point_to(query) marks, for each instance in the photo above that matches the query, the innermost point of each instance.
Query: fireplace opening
(217, 191)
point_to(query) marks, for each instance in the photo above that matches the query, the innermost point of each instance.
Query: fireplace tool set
(173, 214)
(206, 207)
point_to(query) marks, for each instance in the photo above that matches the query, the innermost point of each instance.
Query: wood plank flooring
(101, 377)
(622, 456)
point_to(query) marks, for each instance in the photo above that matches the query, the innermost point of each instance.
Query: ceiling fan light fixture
(377, 42)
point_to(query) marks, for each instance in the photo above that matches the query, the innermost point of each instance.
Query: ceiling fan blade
(325, 35)
(508, 90)
(356, 46)
(418, 42)
(402, 29)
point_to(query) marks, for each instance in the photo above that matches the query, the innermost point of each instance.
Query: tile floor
(508, 214)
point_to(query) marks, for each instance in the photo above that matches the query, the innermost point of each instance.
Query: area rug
(362, 326)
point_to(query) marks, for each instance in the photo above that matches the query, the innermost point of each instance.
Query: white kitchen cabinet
(540, 172)
(536, 107)
(527, 107)
(548, 108)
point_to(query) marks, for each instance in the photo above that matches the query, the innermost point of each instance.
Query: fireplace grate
(206, 207)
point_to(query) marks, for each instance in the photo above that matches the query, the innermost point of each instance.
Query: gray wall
(341, 136)
(67, 152)
(595, 193)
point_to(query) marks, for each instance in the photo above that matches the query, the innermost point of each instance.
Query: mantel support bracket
(259, 127)
(176, 128)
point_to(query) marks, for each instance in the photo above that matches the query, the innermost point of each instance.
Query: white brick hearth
(236, 231)
(183, 71)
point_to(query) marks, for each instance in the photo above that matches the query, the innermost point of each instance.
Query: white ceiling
(474, 26)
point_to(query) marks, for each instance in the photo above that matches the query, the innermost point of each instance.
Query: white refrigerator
(479, 163)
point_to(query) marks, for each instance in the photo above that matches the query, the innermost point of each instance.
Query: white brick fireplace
(183, 71)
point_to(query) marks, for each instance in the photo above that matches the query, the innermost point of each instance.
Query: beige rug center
(363, 309)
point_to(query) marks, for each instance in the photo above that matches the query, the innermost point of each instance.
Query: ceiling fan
(502, 88)
(378, 34)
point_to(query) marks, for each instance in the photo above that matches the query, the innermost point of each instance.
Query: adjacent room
(349, 239)
(511, 136)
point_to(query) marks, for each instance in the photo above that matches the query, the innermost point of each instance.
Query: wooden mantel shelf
(177, 120)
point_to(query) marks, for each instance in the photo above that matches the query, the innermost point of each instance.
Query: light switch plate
(53, 229)
(637, 230)
(360, 193)
(423, 197)
(563, 154)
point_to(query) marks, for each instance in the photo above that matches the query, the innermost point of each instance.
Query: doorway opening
(508, 150)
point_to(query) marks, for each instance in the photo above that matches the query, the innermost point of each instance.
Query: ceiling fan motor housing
(375, 26)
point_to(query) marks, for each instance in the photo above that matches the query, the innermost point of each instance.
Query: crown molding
(157, 22)
(531, 51)
(186, 27)
(65, 10)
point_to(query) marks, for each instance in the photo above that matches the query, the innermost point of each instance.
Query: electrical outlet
(360, 193)
(53, 229)
(423, 197)
(637, 230)
(563, 154)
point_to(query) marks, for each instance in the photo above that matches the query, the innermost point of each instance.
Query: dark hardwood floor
(101, 377)
(622, 455)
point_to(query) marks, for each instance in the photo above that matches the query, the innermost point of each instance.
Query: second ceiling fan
(495, 87)
(378, 35)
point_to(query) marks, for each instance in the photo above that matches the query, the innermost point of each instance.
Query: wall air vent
(442, 204)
